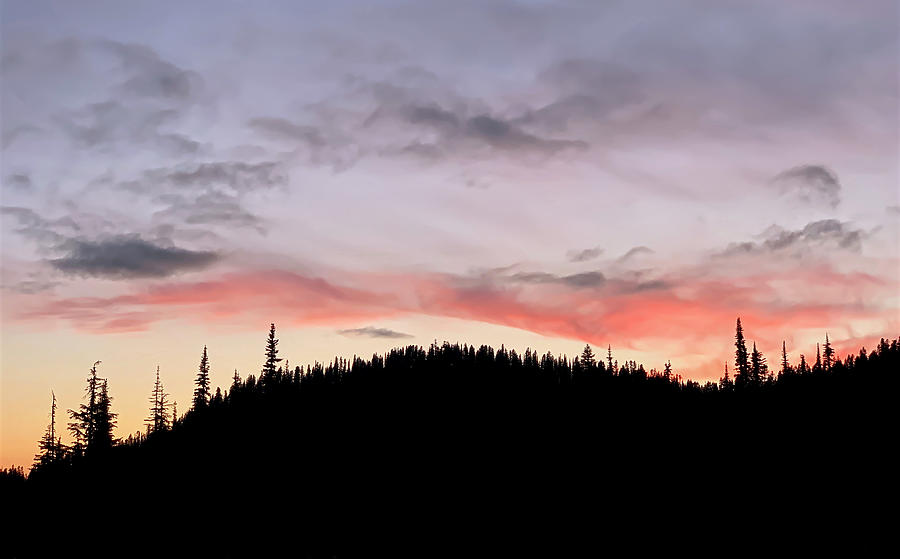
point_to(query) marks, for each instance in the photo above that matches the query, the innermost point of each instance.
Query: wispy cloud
(373, 332)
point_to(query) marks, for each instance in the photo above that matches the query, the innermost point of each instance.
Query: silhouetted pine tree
(588, 361)
(818, 366)
(802, 368)
(725, 383)
(270, 368)
(828, 354)
(759, 371)
(785, 366)
(741, 358)
(50, 445)
(106, 419)
(158, 419)
(83, 424)
(201, 392)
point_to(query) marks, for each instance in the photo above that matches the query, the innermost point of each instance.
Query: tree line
(91, 424)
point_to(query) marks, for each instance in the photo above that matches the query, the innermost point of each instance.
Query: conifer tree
(741, 361)
(49, 444)
(588, 361)
(201, 392)
(818, 366)
(609, 361)
(759, 371)
(270, 368)
(83, 424)
(785, 366)
(828, 354)
(158, 419)
(235, 384)
(106, 419)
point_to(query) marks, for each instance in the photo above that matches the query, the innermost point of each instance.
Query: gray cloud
(209, 208)
(584, 255)
(111, 123)
(128, 256)
(30, 287)
(433, 115)
(35, 227)
(284, 128)
(635, 252)
(580, 280)
(824, 233)
(625, 284)
(810, 184)
(373, 332)
(502, 134)
(237, 175)
(19, 181)
(151, 76)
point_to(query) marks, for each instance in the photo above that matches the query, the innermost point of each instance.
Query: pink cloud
(689, 311)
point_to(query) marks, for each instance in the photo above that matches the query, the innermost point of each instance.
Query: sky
(366, 175)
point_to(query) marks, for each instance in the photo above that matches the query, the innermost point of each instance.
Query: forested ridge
(424, 425)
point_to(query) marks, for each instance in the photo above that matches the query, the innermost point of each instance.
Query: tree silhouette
(587, 358)
(741, 358)
(201, 392)
(106, 419)
(158, 420)
(828, 354)
(759, 371)
(50, 444)
(83, 424)
(270, 368)
(785, 366)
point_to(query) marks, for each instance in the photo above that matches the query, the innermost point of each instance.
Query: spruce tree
(588, 361)
(785, 366)
(741, 360)
(49, 444)
(83, 424)
(158, 420)
(106, 419)
(759, 371)
(270, 368)
(201, 392)
(828, 354)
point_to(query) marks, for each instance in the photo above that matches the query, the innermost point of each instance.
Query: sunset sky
(373, 174)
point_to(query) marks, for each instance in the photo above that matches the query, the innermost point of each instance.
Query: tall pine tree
(201, 392)
(106, 419)
(785, 366)
(741, 358)
(50, 444)
(158, 420)
(270, 368)
(828, 354)
(588, 361)
(83, 424)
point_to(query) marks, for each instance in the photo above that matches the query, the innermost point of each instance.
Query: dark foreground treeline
(474, 434)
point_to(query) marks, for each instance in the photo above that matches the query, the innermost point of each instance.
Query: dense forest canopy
(452, 422)
(434, 372)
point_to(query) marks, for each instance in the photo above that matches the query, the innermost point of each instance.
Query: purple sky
(366, 174)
